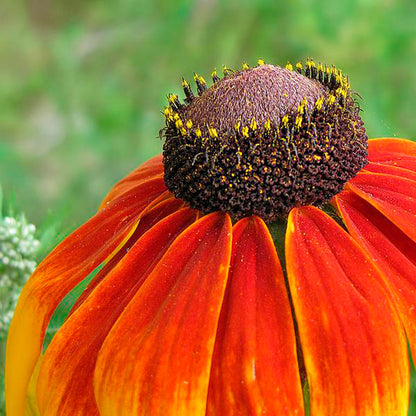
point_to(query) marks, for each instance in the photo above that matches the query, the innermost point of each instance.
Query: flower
(18, 247)
(193, 311)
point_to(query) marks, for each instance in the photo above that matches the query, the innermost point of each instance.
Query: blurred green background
(82, 83)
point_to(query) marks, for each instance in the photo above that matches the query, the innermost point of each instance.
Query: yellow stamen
(267, 125)
(200, 79)
(212, 132)
(319, 102)
(172, 98)
(331, 99)
(179, 123)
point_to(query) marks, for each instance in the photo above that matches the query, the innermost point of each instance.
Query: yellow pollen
(245, 65)
(341, 91)
(244, 131)
(331, 99)
(289, 66)
(302, 106)
(267, 125)
(319, 102)
(253, 124)
(200, 79)
(198, 132)
(260, 62)
(189, 124)
(172, 98)
(212, 132)
(168, 112)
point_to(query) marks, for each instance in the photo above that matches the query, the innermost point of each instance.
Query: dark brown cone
(304, 156)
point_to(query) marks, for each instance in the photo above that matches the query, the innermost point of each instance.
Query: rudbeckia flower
(266, 264)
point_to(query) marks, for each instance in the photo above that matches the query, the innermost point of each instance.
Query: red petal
(391, 151)
(255, 369)
(70, 262)
(393, 196)
(151, 169)
(390, 170)
(353, 344)
(152, 217)
(65, 384)
(394, 254)
(156, 360)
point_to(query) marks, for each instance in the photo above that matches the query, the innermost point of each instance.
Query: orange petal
(156, 360)
(255, 369)
(149, 219)
(392, 151)
(353, 344)
(65, 384)
(393, 196)
(394, 254)
(151, 169)
(70, 262)
(390, 170)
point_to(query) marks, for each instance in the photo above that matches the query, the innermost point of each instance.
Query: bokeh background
(82, 83)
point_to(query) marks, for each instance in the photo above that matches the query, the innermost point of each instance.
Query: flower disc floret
(263, 140)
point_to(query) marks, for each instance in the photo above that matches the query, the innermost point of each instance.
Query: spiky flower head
(18, 247)
(263, 140)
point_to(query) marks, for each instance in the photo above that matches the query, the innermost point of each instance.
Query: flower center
(263, 140)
